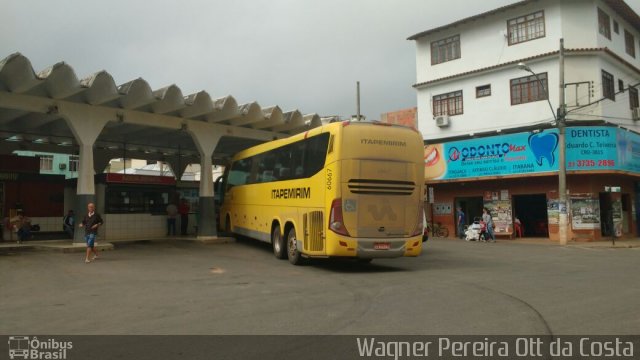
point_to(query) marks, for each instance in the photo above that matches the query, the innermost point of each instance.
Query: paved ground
(455, 287)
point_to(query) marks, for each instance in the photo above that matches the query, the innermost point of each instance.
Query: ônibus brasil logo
(31, 348)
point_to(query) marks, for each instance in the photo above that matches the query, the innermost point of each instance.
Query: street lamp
(562, 165)
(523, 66)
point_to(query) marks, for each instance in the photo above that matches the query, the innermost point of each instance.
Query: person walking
(91, 222)
(68, 223)
(172, 214)
(183, 209)
(461, 221)
(488, 220)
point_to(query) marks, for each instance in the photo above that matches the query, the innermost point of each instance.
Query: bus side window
(283, 162)
(297, 159)
(219, 189)
(315, 154)
(239, 173)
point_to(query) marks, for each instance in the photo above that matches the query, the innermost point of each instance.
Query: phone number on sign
(591, 163)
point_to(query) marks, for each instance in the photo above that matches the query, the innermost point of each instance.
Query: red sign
(140, 179)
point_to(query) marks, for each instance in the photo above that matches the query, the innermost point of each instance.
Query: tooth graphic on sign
(543, 146)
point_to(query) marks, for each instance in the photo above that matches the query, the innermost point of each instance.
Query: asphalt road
(455, 287)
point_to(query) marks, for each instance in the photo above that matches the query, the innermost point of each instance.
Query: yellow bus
(345, 189)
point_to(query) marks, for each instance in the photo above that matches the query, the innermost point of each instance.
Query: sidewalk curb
(67, 247)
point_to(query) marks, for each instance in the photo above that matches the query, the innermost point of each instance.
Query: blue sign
(602, 148)
(511, 154)
(587, 148)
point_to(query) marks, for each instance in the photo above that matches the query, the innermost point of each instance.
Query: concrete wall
(133, 226)
(140, 226)
(405, 117)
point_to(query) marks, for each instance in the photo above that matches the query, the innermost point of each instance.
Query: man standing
(184, 216)
(488, 220)
(172, 214)
(91, 222)
(460, 222)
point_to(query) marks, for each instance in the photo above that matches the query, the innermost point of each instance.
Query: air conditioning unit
(62, 166)
(442, 121)
(635, 114)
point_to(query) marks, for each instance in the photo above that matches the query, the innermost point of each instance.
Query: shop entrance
(615, 214)
(471, 206)
(531, 209)
(606, 214)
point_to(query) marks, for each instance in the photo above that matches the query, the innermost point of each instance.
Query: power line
(602, 116)
(603, 98)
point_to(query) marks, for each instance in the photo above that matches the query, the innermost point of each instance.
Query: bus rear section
(377, 209)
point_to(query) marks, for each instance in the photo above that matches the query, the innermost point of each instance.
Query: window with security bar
(629, 43)
(445, 50)
(604, 24)
(46, 162)
(74, 160)
(633, 98)
(448, 104)
(525, 28)
(608, 86)
(528, 89)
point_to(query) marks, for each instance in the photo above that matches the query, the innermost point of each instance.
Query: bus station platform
(66, 246)
(620, 243)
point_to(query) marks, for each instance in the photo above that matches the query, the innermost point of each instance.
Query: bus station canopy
(135, 120)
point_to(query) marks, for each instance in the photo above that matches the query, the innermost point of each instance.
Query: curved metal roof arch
(140, 117)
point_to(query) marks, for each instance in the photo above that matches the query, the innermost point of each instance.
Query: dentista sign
(588, 148)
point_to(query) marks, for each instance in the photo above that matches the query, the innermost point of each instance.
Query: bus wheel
(292, 248)
(279, 247)
(227, 225)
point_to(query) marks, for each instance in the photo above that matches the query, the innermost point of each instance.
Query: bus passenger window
(315, 154)
(239, 173)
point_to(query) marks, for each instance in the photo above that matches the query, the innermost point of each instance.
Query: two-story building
(488, 91)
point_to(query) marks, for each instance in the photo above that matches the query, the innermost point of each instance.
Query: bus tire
(278, 243)
(227, 225)
(295, 257)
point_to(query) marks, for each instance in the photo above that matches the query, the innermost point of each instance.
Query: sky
(298, 54)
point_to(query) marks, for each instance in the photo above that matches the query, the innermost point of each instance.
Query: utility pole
(562, 164)
(358, 99)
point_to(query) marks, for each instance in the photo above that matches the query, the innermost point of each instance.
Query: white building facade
(467, 71)
(488, 92)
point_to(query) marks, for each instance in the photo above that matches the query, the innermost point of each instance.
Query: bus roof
(330, 127)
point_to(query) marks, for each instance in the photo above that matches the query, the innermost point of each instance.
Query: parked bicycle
(439, 230)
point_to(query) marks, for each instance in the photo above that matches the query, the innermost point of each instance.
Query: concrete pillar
(206, 143)
(86, 125)
(177, 166)
(101, 159)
